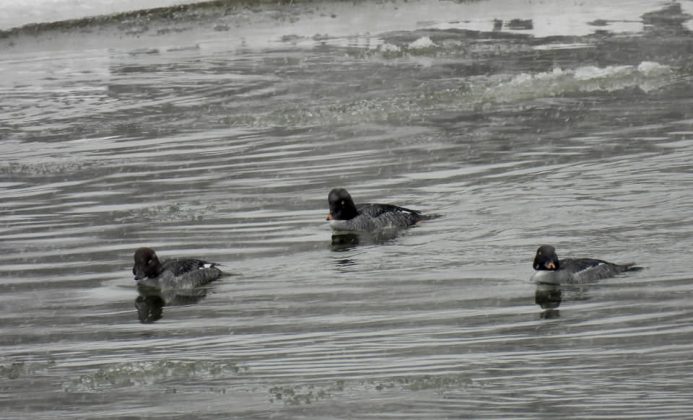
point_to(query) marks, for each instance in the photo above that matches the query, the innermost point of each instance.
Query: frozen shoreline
(266, 23)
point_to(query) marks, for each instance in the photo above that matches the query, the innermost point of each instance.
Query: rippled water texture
(217, 132)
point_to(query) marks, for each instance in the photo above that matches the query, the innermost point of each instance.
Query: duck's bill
(550, 265)
(329, 216)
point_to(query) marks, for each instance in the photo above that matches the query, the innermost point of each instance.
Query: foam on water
(142, 374)
(647, 76)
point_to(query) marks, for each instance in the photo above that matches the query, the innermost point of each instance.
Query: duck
(551, 270)
(187, 273)
(345, 216)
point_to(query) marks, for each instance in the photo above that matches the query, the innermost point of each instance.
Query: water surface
(218, 134)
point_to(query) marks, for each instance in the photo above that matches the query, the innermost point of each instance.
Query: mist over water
(217, 132)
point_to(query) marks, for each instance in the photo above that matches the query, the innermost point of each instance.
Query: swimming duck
(551, 270)
(172, 274)
(346, 216)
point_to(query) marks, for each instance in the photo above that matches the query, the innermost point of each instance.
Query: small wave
(476, 92)
(647, 76)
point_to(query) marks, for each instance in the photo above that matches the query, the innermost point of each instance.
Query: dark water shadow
(151, 301)
(346, 241)
(548, 297)
(669, 19)
(343, 242)
(149, 308)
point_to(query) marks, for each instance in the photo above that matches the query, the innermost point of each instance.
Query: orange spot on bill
(550, 265)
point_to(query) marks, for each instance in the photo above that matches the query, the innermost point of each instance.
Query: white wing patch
(592, 267)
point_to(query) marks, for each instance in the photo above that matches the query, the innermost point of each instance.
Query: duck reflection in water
(349, 241)
(151, 301)
(149, 308)
(346, 241)
(548, 297)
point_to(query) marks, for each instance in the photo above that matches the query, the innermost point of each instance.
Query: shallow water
(219, 136)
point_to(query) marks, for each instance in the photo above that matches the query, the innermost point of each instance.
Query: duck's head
(546, 259)
(342, 207)
(146, 264)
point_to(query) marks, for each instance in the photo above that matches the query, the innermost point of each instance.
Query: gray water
(218, 133)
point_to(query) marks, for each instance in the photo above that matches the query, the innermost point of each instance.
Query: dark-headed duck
(172, 274)
(346, 216)
(551, 270)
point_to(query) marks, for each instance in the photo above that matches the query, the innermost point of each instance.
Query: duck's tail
(425, 217)
(630, 267)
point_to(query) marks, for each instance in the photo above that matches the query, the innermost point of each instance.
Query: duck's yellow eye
(342, 202)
